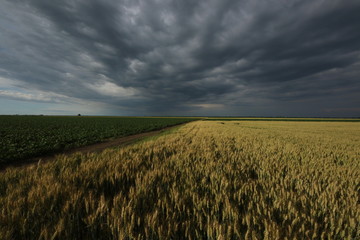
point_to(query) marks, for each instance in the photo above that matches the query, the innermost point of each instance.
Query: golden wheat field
(204, 180)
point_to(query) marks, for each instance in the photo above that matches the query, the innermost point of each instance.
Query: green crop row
(206, 180)
(29, 136)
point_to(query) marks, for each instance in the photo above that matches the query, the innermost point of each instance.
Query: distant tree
(79, 115)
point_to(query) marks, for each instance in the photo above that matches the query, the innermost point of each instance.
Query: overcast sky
(180, 57)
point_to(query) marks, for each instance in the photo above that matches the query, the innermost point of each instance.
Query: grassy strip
(29, 136)
(248, 180)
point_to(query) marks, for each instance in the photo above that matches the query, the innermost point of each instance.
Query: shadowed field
(206, 180)
(24, 137)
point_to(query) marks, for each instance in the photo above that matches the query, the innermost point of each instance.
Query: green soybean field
(24, 137)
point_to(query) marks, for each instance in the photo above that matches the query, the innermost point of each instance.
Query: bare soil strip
(97, 147)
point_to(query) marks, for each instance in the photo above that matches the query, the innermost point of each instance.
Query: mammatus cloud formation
(168, 57)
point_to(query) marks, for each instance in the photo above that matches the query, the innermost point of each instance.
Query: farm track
(97, 147)
(203, 180)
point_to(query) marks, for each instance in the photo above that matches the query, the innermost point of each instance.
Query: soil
(97, 147)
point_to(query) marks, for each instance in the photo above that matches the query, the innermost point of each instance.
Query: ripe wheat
(236, 180)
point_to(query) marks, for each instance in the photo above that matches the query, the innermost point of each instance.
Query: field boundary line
(92, 148)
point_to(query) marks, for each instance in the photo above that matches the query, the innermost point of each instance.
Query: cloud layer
(229, 57)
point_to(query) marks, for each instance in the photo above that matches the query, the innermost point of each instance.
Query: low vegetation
(285, 119)
(29, 136)
(206, 180)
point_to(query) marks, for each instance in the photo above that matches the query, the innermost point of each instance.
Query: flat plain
(203, 180)
(24, 137)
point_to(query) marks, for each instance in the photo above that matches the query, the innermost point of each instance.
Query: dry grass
(207, 180)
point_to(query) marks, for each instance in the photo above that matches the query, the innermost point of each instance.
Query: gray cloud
(230, 57)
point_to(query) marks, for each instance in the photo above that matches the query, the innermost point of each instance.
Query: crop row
(207, 180)
(29, 136)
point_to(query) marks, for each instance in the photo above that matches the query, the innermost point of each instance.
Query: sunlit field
(203, 180)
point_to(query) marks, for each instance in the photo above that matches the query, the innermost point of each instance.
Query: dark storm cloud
(186, 57)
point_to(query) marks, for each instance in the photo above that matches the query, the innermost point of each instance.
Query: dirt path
(97, 147)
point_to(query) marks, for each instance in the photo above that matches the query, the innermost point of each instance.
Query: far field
(29, 136)
(204, 180)
(284, 119)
